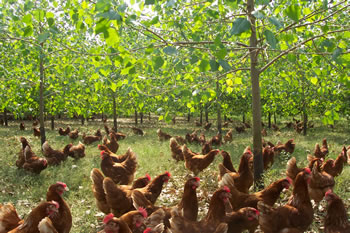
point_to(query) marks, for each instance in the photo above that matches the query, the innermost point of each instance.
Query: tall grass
(25, 190)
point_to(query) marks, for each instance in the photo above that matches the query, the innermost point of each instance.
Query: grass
(25, 190)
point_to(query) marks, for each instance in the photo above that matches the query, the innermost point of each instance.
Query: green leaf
(110, 15)
(50, 21)
(276, 22)
(336, 53)
(170, 50)
(27, 19)
(229, 82)
(314, 80)
(158, 62)
(259, 15)
(204, 65)
(28, 31)
(293, 12)
(149, 2)
(271, 39)
(239, 26)
(214, 65)
(262, 2)
(113, 86)
(225, 65)
(43, 36)
(221, 54)
(155, 20)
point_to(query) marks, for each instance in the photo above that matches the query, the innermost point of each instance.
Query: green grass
(25, 190)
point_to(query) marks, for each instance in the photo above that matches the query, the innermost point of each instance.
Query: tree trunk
(149, 116)
(52, 123)
(218, 106)
(269, 119)
(41, 100)
(82, 120)
(201, 116)
(135, 117)
(225, 118)
(115, 123)
(305, 122)
(243, 117)
(141, 117)
(5, 117)
(274, 118)
(206, 113)
(188, 116)
(256, 105)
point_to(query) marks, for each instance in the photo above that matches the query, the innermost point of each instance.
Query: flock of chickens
(129, 203)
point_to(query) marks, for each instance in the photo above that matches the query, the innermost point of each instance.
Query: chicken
(32, 162)
(20, 161)
(115, 158)
(8, 218)
(228, 136)
(336, 220)
(162, 136)
(114, 225)
(55, 157)
(118, 135)
(216, 140)
(206, 148)
(244, 177)
(35, 123)
(225, 124)
(99, 193)
(46, 226)
(135, 219)
(319, 184)
(297, 213)
(64, 132)
(30, 224)
(189, 202)
(240, 129)
(247, 125)
(176, 150)
(207, 126)
(120, 173)
(120, 200)
(211, 222)
(107, 129)
(62, 221)
(293, 170)
(241, 220)
(198, 124)
(335, 167)
(89, 139)
(288, 147)
(180, 140)
(197, 163)
(227, 162)
(112, 144)
(263, 132)
(137, 131)
(268, 195)
(74, 134)
(202, 139)
(77, 151)
(268, 154)
(21, 126)
(321, 152)
(275, 127)
(36, 132)
(98, 133)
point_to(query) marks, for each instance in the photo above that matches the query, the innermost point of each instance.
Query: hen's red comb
(168, 174)
(148, 177)
(61, 183)
(147, 230)
(257, 212)
(197, 179)
(102, 152)
(289, 180)
(56, 204)
(227, 189)
(307, 170)
(328, 192)
(108, 218)
(143, 212)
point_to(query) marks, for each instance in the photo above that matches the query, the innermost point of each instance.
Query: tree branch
(298, 45)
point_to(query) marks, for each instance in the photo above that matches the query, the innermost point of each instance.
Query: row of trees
(80, 57)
